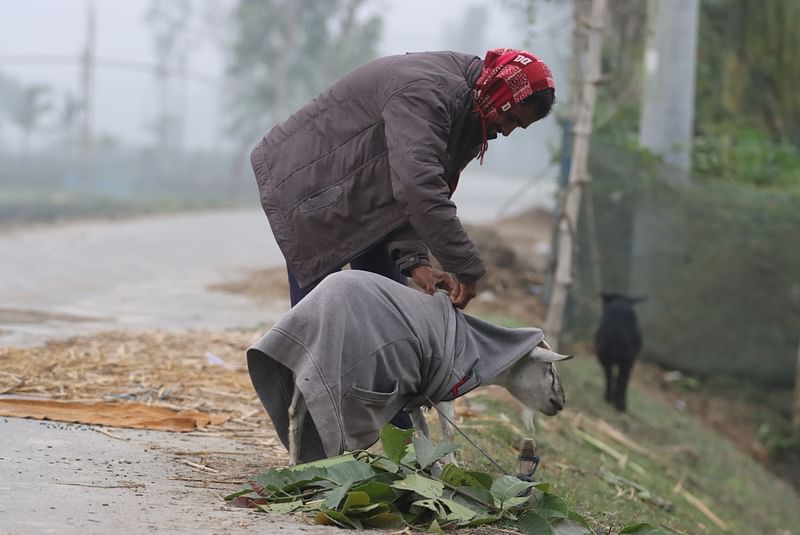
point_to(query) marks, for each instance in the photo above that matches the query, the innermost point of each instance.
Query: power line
(129, 65)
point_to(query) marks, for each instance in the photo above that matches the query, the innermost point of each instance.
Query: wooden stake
(578, 177)
(527, 458)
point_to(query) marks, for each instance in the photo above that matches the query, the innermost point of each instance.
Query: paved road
(154, 272)
(151, 272)
(69, 479)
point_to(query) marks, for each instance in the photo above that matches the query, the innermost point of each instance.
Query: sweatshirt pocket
(371, 396)
(364, 413)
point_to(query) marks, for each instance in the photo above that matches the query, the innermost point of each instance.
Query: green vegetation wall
(718, 262)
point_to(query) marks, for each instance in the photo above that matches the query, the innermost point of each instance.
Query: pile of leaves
(407, 486)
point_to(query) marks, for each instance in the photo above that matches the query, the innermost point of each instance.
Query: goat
(363, 347)
(533, 380)
(617, 344)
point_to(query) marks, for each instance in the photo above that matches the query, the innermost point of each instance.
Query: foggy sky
(125, 101)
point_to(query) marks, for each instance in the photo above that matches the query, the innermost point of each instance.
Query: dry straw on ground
(194, 371)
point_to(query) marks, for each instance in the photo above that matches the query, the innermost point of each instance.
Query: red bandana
(509, 76)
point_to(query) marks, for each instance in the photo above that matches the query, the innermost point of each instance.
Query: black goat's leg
(609, 370)
(620, 397)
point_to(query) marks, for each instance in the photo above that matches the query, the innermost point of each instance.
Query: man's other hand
(429, 279)
(463, 293)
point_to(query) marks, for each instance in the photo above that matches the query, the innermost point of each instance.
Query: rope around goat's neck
(463, 434)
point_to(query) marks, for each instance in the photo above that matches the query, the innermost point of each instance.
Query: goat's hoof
(437, 468)
(449, 459)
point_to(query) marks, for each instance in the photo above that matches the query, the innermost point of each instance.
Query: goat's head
(534, 381)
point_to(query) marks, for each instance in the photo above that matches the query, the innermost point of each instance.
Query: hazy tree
(523, 13)
(68, 115)
(283, 53)
(11, 94)
(11, 97)
(169, 20)
(747, 72)
(469, 34)
(35, 103)
(750, 66)
(624, 42)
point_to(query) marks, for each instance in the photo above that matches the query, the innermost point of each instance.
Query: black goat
(617, 343)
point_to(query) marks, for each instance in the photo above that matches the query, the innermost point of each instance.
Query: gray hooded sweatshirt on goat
(361, 348)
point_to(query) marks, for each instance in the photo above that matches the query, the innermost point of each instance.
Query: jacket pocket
(321, 200)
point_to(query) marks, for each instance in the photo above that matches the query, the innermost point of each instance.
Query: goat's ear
(544, 355)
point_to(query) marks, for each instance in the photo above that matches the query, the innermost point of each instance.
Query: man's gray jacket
(361, 347)
(374, 158)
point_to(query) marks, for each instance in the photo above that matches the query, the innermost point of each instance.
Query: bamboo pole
(578, 175)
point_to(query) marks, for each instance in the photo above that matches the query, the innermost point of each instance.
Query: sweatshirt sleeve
(417, 126)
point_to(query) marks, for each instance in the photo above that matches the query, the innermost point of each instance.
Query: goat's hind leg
(419, 422)
(621, 394)
(448, 409)
(297, 416)
(608, 368)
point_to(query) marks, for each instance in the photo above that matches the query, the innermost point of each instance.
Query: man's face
(517, 116)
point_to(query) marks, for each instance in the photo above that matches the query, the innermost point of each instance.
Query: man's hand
(429, 278)
(463, 293)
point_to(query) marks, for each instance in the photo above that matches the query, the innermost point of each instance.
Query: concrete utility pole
(668, 103)
(87, 92)
(578, 174)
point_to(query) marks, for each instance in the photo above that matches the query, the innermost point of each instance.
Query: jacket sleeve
(417, 126)
(407, 250)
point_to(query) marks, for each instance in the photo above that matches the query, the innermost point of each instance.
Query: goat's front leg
(448, 409)
(528, 419)
(297, 415)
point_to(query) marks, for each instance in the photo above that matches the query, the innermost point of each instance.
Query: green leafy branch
(408, 487)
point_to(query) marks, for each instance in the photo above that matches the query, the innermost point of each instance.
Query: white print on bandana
(522, 59)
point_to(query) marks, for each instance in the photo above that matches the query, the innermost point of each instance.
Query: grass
(667, 450)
